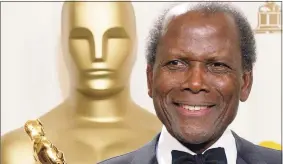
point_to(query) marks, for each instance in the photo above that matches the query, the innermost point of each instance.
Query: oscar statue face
(101, 44)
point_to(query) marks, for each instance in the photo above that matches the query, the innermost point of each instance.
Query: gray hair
(246, 35)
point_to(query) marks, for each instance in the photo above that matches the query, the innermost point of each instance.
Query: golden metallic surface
(271, 145)
(99, 119)
(269, 18)
(44, 151)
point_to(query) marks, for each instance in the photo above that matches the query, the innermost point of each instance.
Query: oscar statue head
(99, 39)
(34, 129)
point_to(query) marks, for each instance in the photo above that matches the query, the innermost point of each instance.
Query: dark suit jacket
(248, 153)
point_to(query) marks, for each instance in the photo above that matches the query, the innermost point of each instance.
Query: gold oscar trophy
(269, 18)
(98, 119)
(44, 151)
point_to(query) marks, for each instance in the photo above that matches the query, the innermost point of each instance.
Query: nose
(98, 54)
(195, 80)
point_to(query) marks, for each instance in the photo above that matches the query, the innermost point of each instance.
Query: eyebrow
(214, 56)
(115, 31)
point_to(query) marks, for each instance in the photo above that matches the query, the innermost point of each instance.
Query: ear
(149, 74)
(247, 81)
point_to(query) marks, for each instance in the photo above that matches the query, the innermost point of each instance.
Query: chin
(100, 87)
(192, 135)
(96, 92)
(195, 138)
(99, 92)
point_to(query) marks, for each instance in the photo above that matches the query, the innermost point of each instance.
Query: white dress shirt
(167, 143)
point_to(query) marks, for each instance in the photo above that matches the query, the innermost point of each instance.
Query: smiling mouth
(193, 109)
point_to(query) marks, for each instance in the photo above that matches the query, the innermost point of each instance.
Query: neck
(110, 108)
(198, 148)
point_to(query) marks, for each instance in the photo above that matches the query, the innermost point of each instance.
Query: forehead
(217, 21)
(100, 16)
(201, 35)
(199, 27)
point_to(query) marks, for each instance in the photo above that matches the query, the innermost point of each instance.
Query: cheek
(164, 82)
(117, 50)
(228, 85)
(228, 88)
(81, 52)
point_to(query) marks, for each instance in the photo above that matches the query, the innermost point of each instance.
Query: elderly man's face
(197, 79)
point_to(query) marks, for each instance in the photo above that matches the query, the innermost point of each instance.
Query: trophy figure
(269, 18)
(44, 152)
(98, 119)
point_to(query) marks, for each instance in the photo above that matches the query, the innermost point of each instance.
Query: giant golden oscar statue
(99, 119)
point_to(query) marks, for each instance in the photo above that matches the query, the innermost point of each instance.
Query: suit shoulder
(267, 154)
(250, 152)
(270, 154)
(122, 159)
(15, 144)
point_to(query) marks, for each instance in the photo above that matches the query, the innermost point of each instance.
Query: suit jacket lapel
(147, 154)
(240, 160)
(247, 152)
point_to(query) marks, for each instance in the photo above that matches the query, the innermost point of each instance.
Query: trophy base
(268, 29)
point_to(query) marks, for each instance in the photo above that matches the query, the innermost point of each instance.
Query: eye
(176, 64)
(219, 64)
(81, 33)
(218, 67)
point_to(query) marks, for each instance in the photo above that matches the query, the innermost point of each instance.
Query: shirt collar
(167, 143)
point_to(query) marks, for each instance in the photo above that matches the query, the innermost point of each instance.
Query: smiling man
(200, 66)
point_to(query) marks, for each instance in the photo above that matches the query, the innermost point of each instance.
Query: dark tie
(211, 156)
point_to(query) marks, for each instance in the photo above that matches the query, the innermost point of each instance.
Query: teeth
(193, 108)
(197, 107)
